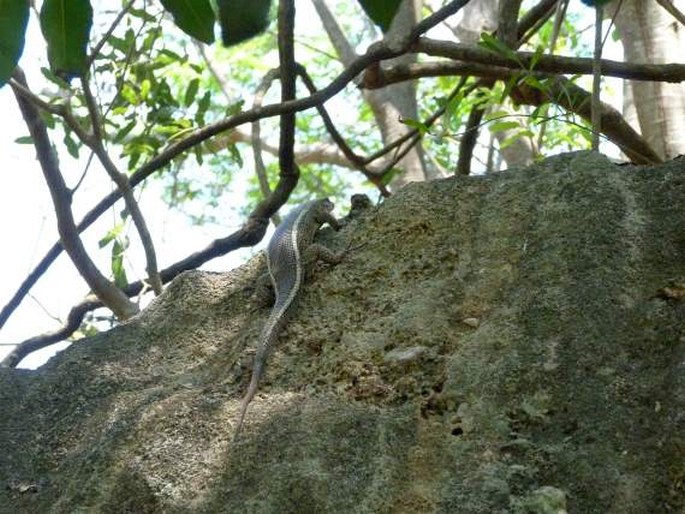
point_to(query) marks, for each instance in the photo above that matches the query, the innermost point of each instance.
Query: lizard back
(284, 258)
(286, 270)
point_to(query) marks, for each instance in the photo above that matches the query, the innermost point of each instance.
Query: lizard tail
(251, 391)
(273, 327)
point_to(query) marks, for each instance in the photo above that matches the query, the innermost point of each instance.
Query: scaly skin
(287, 252)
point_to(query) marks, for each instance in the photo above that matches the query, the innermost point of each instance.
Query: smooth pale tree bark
(649, 34)
(481, 16)
(398, 101)
(391, 104)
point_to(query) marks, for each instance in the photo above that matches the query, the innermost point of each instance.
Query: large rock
(506, 343)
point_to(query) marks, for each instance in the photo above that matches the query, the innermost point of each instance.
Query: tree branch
(356, 160)
(514, 35)
(61, 198)
(561, 91)
(264, 210)
(94, 141)
(335, 34)
(248, 235)
(673, 10)
(122, 183)
(74, 320)
(507, 31)
(320, 153)
(289, 173)
(392, 104)
(256, 140)
(557, 64)
(620, 133)
(106, 35)
(535, 18)
(596, 116)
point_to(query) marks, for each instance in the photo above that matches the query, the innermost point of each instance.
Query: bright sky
(29, 229)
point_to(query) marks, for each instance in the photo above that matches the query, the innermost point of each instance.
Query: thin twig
(110, 30)
(123, 184)
(596, 120)
(256, 139)
(356, 160)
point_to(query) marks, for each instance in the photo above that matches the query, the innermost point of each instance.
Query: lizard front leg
(327, 217)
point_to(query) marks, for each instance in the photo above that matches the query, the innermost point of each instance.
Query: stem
(597, 80)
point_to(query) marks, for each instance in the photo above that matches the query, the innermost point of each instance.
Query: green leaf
(124, 131)
(194, 17)
(48, 74)
(450, 119)
(535, 83)
(500, 126)
(539, 52)
(133, 160)
(381, 12)
(199, 158)
(191, 92)
(129, 94)
(66, 28)
(49, 119)
(541, 111)
(417, 125)
(586, 135)
(235, 108)
(241, 20)
(121, 44)
(389, 175)
(24, 140)
(497, 114)
(118, 269)
(142, 14)
(235, 155)
(113, 234)
(490, 42)
(202, 106)
(71, 144)
(145, 88)
(15, 15)
(508, 86)
(515, 136)
(173, 56)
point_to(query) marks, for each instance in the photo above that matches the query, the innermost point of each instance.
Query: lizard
(288, 253)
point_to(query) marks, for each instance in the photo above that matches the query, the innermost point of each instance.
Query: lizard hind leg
(316, 252)
(264, 291)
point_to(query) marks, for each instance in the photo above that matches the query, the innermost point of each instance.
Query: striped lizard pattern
(288, 253)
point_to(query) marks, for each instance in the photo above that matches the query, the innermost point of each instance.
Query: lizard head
(326, 205)
(322, 209)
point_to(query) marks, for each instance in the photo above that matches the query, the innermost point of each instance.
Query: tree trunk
(391, 104)
(651, 35)
(481, 16)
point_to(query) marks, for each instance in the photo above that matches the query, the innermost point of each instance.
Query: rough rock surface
(501, 344)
